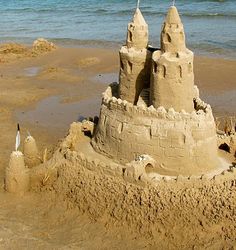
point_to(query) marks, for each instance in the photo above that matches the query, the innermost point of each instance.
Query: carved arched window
(167, 38)
(121, 65)
(162, 71)
(130, 35)
(155, 67)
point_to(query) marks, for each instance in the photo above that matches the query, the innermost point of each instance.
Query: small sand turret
(172, 78)
(31, 152)
(135, 60)
(16, 175)
(137, 35)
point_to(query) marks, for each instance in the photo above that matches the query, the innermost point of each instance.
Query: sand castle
(152, 125)
(155, 109)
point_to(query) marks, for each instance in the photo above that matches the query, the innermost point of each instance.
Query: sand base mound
(179, 213)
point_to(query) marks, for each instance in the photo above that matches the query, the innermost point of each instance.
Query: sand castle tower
(16, 174)
(135, 60)
(31, 152)
(172, 73)
(176, 128)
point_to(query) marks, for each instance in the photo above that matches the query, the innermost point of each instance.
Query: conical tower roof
(173, 16)
(172, 35)
(138, 18)
(137, 36)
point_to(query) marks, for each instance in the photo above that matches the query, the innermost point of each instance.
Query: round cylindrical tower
(172, 78)
(135, 60)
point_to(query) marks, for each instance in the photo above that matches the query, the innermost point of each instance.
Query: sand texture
(77, 208)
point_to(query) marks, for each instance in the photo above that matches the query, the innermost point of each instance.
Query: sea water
(210, 25)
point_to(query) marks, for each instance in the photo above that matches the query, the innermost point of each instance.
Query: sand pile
(183, 213)
(41, 45)
(12, 51)
(12, 48)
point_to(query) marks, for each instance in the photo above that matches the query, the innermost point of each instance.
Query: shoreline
(114, 45)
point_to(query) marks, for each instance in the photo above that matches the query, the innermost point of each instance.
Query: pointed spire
(137, 35)
(138, 18)
(173, 16)
(172, 35)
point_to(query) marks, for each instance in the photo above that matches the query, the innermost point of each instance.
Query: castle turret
(31, 152)
(135, 60)
(172, 79)
(137, 35)
(16, 174)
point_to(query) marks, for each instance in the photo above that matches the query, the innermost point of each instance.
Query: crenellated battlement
(174, 139)
(202, 110)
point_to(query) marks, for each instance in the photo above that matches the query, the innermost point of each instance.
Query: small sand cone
(16, 174)
(31, 152)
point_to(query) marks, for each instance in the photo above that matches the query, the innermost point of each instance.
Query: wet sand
(45, 94)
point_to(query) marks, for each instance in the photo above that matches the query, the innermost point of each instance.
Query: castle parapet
(174, 139)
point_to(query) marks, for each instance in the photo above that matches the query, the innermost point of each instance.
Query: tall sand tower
(172, 78)
(135, 60)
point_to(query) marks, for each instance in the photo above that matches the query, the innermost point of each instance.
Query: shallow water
(31, 71)
(51, 112)
(210, 25)
(223, 104)
(106, 78)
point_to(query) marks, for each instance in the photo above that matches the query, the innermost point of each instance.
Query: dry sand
(75, 76)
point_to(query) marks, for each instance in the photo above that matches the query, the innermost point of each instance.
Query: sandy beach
(47, 92)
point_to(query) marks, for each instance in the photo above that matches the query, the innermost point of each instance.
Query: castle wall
(172, 81)
(134, 73)
(180, 142)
